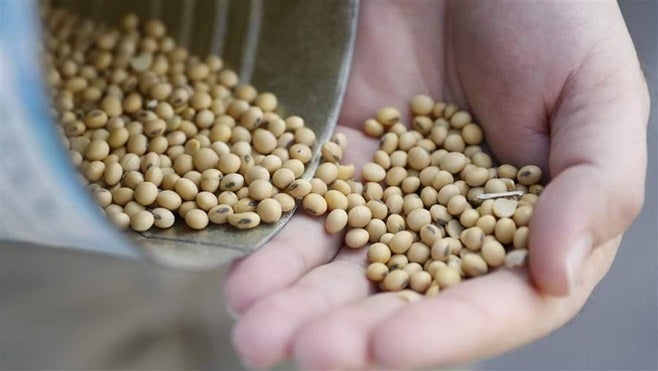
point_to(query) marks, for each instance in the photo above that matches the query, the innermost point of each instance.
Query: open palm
(557, 85)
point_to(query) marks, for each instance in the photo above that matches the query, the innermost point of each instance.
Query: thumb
(598, 165)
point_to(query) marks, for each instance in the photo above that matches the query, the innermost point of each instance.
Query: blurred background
(61, 309)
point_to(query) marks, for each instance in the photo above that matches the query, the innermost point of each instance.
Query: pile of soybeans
(159, 134)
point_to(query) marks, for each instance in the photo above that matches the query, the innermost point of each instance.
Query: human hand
(557, 85)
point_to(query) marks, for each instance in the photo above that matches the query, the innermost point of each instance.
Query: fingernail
(576, 259)
(232, 313)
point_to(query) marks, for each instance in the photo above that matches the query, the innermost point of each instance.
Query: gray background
(64, 310)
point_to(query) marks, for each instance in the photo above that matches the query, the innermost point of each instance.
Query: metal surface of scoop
(299, 50)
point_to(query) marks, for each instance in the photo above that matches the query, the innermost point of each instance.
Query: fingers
(471, 321)
(481, 318)
(299, 247)
(341, 340)
(263, 336)
(598, 162)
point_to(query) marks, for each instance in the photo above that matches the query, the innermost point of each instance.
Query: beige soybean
(336, 221)
(168, 199)
(142, 221)
(418, 252)
(260, 189)
(529, 175)
(376, 229)
(474, 265)
(372, 191)
(335, 200)
(395, 280)
(378, 209)
(154, 175)
(401, 242)
(397, 261)
(469, 218)
(493, 253)
(244, 220)
(520, 239)
(186, 189)
(411, 202)
(346, 172)
(446, 193)
(132, 207)
(400, 157)
(505, 230)
(376, 272)
(522, 215)
(205, 200)
(507, 171)
(373, 172)
(283, 177)
(231, 182)
(504, 208)
(219, 214)
(441, 249)
(418, 158)
(196, 219)
(378, 252)
(269, 210)
(388, 116)
(421, 104)
(327, 172)
(97, 149)
(486, 223)
(457, 204)
(355, 199)
(146, 193)
(417, 218)
(356, 238)
(395, 223)
(446, 277)
(495, 186)
(286, 201)
(299, 188)
(359, 216)
(516, 258)
(103, 197)
(314, 204)
(373, 128)
(245, 204)
(410, 184)
(420, 281)
(318, 186)
(163, 218)
(472, 238)
(120, 220)
(429, 233)
(122, 195)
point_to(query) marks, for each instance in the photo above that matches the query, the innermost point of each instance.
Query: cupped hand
(557, 85)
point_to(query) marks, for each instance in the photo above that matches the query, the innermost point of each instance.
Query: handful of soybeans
(158, 134)
(432, 208)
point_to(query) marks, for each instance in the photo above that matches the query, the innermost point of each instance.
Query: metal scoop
(299, 50)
